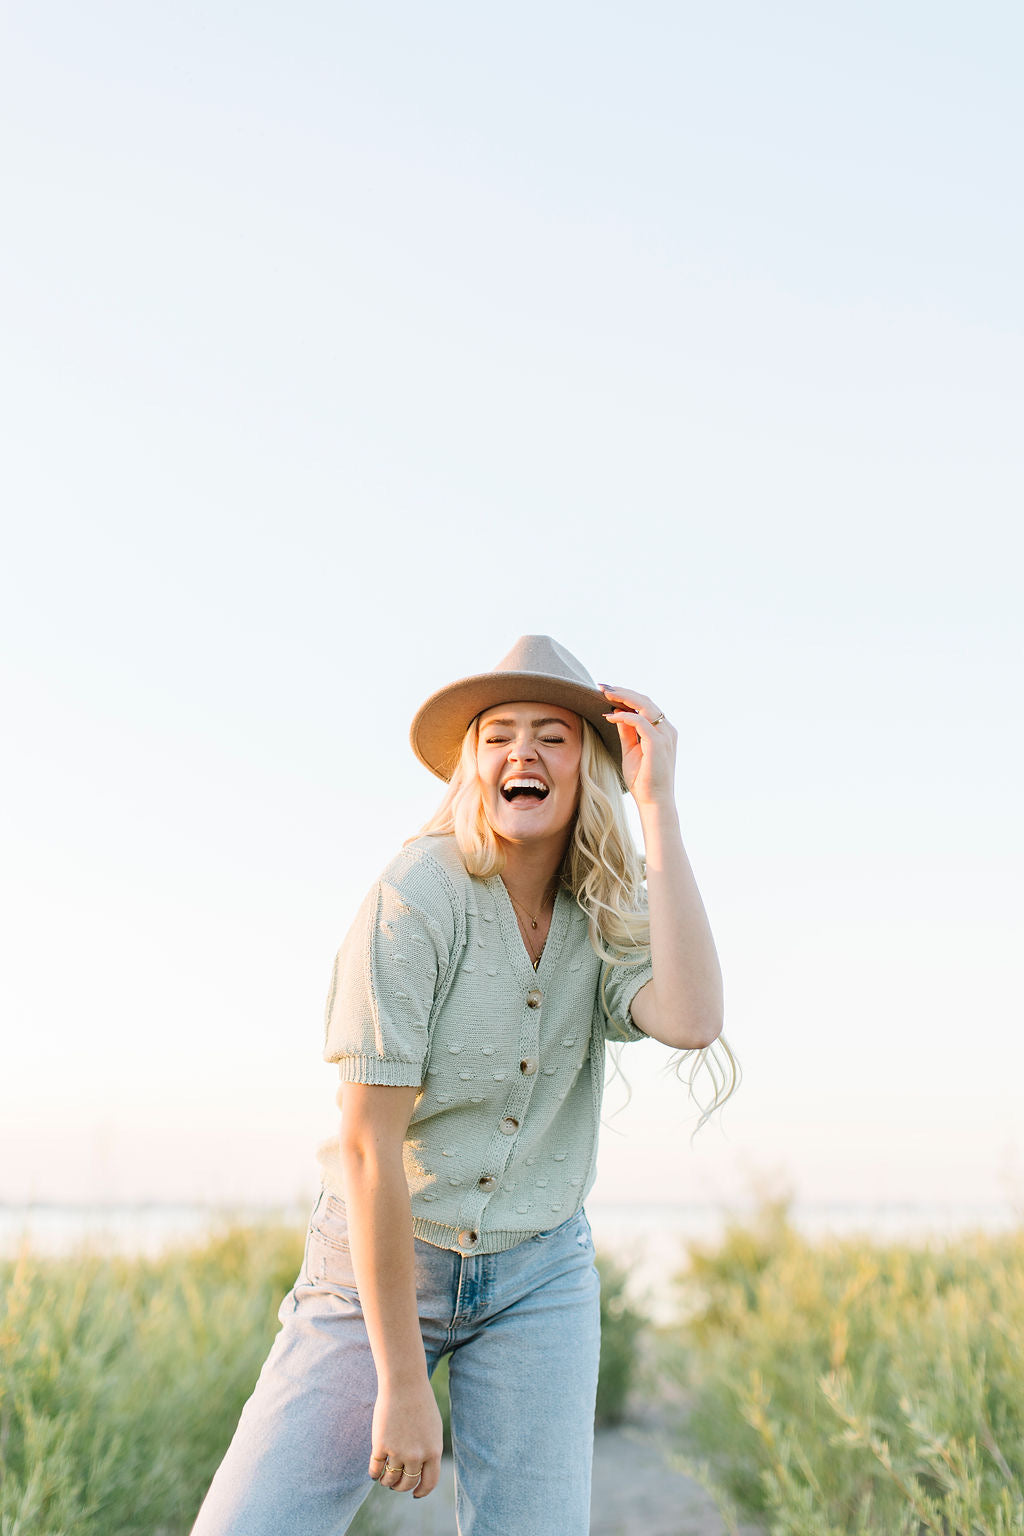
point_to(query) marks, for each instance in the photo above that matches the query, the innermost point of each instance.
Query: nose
(521, 751)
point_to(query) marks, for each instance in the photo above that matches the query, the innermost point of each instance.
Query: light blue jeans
(522, 1329)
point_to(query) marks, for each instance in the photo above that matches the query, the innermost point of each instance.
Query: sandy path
(635, 1493)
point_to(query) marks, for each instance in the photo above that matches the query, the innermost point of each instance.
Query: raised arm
(682, 1005)
(406, 1421)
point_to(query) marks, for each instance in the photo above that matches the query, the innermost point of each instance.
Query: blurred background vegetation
(822, 1388)
(855, 1387)
(121, 1380)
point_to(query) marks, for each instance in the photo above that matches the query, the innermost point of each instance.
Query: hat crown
(544, 656)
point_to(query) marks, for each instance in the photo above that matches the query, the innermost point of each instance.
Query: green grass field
(121, 1380)
(830, 1388)
(848, 1387)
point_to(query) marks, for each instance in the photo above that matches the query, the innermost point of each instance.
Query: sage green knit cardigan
(433, 988)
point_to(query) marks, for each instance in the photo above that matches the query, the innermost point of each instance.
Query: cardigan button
(487, 1181)
(508, 1126)
(468, 1239)
(527, 1066)
(533, 997)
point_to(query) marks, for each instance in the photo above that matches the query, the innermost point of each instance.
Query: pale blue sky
(344, 345)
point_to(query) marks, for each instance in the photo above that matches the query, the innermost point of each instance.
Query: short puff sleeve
(390, 976)
(617, 987)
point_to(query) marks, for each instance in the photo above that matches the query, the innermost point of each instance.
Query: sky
(346, 343)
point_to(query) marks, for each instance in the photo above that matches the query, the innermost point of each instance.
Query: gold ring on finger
(658, 721)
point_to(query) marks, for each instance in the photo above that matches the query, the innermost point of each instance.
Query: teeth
(511, 786)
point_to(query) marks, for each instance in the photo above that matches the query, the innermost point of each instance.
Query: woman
(468, 1013)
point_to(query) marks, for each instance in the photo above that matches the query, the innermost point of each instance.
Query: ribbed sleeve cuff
(380, 1072)
(633, 1032)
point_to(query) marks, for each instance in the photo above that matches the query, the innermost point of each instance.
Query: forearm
(380, 1234)
(686, 990)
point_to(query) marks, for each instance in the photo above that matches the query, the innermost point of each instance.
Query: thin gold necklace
(535, 954)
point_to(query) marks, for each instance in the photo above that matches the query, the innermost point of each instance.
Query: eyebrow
(547, 720)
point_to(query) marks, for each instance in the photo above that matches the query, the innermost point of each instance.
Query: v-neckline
(515, 944)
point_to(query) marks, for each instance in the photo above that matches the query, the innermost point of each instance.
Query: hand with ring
(395, 1474)
(648, 744)
(406, 1440)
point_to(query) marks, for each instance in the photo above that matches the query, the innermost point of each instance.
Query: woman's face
(528, 760)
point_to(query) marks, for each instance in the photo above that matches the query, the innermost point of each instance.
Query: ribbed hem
(441, 1235)
(380, 1072)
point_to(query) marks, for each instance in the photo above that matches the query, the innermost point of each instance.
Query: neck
(531, 873)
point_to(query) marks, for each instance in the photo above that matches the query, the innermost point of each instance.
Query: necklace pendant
(533, 920)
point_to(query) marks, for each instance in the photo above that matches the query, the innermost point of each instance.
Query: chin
(525, 831)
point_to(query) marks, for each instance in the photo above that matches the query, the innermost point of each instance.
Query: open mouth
(524, 789)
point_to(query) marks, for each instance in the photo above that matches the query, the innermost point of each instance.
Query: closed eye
(499, 741)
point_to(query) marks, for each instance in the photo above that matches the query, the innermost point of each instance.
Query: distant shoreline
(65, 1222)
(650, 1241)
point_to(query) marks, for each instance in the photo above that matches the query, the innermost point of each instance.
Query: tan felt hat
(536, 668)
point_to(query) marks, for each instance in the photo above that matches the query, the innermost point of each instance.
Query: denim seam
(457, 1309)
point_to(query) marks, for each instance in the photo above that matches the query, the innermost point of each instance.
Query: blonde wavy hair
(604, 873)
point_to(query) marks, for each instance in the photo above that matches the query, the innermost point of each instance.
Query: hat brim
(439, 725)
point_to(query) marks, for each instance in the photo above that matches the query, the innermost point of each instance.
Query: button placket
(498, 1156)
(471, 1216)
(502, 1151)
(529, 1048)
(529, 1060)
